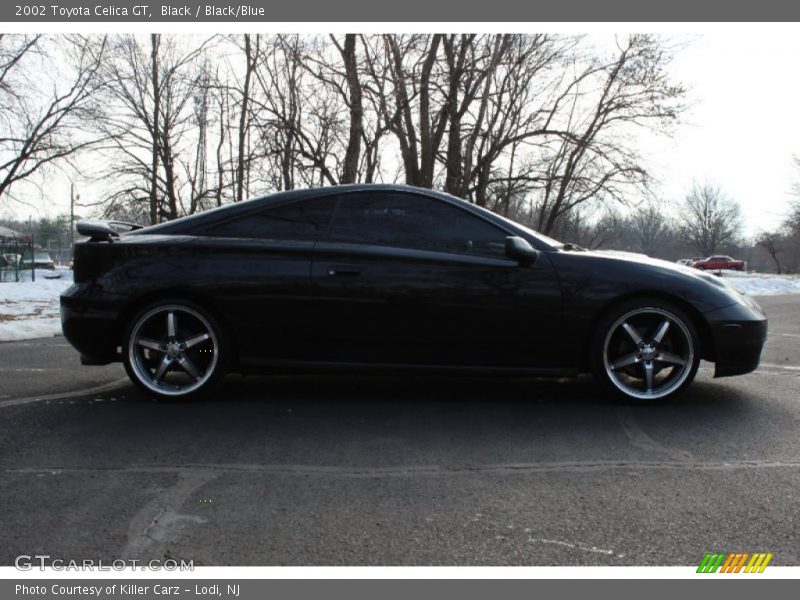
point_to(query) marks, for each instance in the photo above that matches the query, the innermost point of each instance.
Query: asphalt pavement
(399, 470)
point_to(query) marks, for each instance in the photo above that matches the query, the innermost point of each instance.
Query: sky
(740, 132)
(742, 129)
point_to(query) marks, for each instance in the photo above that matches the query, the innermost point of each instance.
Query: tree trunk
(155, 40)
(240, 159)
(353, 152)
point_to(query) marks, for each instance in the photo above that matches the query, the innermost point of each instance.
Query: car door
(261, 263)
(412, 279)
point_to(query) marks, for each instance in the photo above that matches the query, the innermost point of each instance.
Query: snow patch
(29, 329)
(758, 284)
(30, 309)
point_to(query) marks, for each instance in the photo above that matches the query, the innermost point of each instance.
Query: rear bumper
(89, 319)
(739, 333)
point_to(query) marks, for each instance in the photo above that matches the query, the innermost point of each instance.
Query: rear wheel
(646, 350)
(174, 350)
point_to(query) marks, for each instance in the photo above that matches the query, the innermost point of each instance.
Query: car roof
(260, 202)
(192, 223)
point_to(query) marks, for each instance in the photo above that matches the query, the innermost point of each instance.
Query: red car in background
(719, 262)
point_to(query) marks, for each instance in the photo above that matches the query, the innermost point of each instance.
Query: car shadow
(411, 420)
(362, 420)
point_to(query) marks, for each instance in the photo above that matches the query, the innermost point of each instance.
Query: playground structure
(13, 246)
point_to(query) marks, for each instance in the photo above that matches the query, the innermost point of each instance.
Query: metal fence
(11, 252)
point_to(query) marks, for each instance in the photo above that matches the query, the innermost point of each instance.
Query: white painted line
(32, 369)
(356, 472)
(572, 545)
(65, 395)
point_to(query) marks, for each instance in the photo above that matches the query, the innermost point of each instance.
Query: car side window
(413, 221)
(304, 220)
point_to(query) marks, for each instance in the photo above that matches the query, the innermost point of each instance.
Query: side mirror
(521, 251)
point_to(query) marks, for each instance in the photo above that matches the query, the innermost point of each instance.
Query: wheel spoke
(648, 376)
(189, 367)
(193, 341)
(171, 325)
(151, 344)
(162, 369)
(631, 331)
(662, 331)
(625, 361)
(670, 358)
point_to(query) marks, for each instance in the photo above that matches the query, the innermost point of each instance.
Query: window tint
(411, 221)
(305, 220)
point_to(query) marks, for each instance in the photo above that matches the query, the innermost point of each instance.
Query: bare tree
(796, 186)
(792, 221)
(355, 106)
(538, 125)
(710, 219)
(302, 126)
(590, 227)
(251, 54)
(790, 237)
(47, 98)
(155, 83)
(407, 106)
(591, 160)
(773, 242)
(496, 119)
(650, 228)
(279, 78)
(338, 68)
(156, 118)
(222, 98)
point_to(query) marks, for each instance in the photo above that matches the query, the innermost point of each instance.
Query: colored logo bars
(734, 562)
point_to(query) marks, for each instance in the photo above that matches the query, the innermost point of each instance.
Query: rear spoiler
(104, 231)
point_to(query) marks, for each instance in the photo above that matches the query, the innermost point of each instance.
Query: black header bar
(492, 11)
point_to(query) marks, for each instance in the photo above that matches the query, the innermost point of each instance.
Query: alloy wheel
(648, 353)
(173, 350)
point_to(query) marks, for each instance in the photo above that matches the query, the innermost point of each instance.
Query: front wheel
(174, 350)
(646, 350)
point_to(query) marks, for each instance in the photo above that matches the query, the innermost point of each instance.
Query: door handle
(343, 271)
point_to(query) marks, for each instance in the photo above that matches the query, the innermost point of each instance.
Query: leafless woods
(534, 126)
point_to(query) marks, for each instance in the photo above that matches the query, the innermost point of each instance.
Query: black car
(391, 277)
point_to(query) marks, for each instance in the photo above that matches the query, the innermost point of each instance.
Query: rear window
(304, 220)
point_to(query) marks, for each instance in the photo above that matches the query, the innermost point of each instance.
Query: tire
(174, 350)
(645, 350)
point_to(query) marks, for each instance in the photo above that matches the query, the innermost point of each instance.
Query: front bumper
(738, 333)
